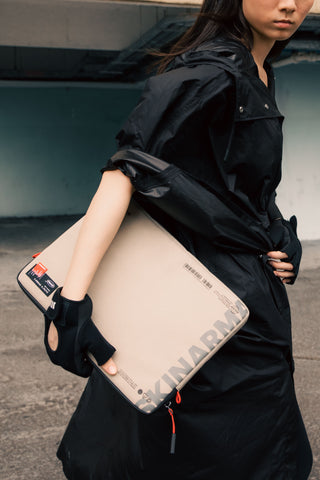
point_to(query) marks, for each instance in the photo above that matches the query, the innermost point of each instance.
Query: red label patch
(39, 269)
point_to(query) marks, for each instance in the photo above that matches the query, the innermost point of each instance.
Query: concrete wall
(84, 24)
(299, 100)
(53, 141)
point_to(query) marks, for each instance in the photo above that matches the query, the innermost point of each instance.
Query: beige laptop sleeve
(165, 313)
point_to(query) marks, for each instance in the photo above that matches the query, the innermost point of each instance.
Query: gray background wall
(299, 100)
(54, 140)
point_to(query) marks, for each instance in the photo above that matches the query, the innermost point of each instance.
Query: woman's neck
(260, 50)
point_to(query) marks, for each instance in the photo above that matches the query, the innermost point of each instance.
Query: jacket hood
(226, 53)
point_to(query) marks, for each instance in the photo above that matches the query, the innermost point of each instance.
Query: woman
(202, 150)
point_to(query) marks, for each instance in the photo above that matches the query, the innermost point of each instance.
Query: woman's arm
(101, 223)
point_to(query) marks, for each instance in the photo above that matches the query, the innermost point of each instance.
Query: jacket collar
(229, 54)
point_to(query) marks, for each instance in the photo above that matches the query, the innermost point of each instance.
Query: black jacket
(212, 117)
(203, 149)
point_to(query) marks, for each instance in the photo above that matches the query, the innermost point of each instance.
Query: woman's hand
(70, 334)
(283, 233)
(53, 340)
(282, 269)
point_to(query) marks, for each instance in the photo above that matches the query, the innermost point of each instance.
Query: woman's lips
(283, 23)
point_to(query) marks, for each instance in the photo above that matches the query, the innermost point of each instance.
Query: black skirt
(238, 417)
(252, 433)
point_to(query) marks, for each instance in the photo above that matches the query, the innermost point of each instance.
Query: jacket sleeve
(168, 104)
(172, 105)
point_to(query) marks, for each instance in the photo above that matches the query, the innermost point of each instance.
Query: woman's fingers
(277, 255)
(277, 261)
(281, 265)
(282, 269)
(110, 367)
(283, 274)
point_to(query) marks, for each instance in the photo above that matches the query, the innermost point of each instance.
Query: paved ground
(38, 398)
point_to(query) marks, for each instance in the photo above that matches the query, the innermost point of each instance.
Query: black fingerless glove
(77, 334)
(284, 236)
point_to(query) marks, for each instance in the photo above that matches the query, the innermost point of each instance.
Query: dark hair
(216, 17)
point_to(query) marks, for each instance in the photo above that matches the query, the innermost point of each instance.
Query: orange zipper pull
(36, 254)
(173, 434)
(170, 411)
